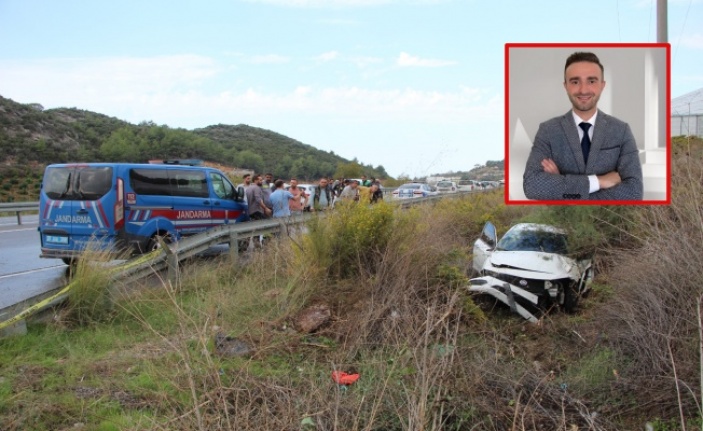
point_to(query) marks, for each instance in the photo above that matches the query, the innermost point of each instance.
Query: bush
(350, 240)
(654, 318)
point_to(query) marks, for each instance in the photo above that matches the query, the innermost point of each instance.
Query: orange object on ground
(342, 378)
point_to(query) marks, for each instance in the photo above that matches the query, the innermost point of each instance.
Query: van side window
(150, 182)
(221, 186)
(190, 183)
(93, 183)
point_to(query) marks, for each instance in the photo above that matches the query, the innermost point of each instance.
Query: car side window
(221, 186)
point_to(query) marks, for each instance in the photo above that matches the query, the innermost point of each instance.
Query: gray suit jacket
(613, 148)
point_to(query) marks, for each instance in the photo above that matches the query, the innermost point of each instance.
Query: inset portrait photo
(587, 124)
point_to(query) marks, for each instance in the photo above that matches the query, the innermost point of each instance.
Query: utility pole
(661, 22)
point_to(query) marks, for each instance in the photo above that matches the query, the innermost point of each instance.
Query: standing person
(375, 193)
(241, 188)
(323, 197)
(267, 188)
(296, 205)
(351, 191)
(281, 199)
(338, 186)
(255, 200)
(585, 153)
(365, 182)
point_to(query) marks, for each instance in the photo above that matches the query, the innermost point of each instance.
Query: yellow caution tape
(43, 303)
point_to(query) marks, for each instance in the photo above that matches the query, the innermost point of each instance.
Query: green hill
(32, 137)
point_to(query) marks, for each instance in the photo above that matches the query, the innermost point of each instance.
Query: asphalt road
(22, 273)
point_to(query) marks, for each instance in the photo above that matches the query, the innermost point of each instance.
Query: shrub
(654, 318)
(350, 240)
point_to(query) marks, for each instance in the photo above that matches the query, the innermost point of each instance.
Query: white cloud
(339, 22)
(193, 91)
(328, 56)
(407, 60)
(269, 59)
(365, 61)
(119, 75)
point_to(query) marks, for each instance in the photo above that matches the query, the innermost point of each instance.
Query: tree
(348, 170)
(250, 160)
(123, 145)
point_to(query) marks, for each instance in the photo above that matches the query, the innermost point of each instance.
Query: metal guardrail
(170, 255)
(18, 208)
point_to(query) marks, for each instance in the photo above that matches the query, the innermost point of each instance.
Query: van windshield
(77, 183)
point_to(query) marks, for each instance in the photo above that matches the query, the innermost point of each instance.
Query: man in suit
(585, 153)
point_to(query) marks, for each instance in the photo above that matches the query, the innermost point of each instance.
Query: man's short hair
(245, 176)
(582, 56)
(278, 184)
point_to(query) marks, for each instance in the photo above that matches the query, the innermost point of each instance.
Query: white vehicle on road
(529, 269)
(446, 187)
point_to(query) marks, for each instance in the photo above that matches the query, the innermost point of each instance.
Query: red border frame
(666, 46)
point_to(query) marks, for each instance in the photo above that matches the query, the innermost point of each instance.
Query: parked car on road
(446, 187)
(465, 185)
(413, 190)
(529, 269)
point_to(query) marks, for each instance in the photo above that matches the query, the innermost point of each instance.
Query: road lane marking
(31, 271)
(18, 230)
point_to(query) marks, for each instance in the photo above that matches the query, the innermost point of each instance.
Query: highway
(22, 273)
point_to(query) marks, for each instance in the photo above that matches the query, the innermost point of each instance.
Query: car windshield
(444, 184)
(410, 186)
(533, 240)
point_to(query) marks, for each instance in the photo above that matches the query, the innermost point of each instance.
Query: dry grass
(428, 356)
(654, 315)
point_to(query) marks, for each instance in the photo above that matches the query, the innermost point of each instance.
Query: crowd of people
(267, 198)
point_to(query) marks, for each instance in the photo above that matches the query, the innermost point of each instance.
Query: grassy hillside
(31, 138)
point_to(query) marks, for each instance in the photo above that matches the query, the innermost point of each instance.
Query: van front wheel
(155, 244)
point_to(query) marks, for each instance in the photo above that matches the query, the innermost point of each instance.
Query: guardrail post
(19, 218)
(171, 260)
(234, 247)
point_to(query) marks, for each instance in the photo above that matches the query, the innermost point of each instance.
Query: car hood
(533, 264)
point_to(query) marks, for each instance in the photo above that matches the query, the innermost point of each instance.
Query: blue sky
(414, 85)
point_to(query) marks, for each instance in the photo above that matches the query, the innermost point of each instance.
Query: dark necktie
(585, 141)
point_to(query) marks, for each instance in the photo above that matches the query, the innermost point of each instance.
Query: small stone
(229, 346)
(312, 318)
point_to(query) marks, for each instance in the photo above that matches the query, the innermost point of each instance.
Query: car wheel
(154, 243)
(69, 261)
(571, 297)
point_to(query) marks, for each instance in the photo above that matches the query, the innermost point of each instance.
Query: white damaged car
(529, 269)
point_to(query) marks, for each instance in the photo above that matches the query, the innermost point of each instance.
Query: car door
(192, 202)
(484, 246)
(225, 206)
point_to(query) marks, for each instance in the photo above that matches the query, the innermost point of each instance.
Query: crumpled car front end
(531, 282)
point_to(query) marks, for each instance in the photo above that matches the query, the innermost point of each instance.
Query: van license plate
(57, 239)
